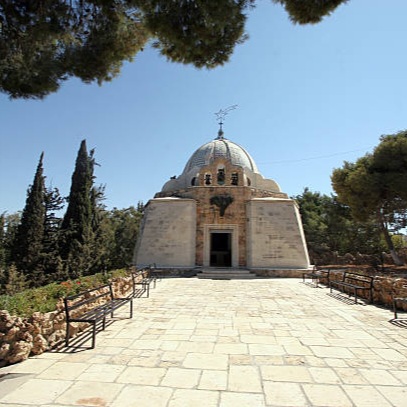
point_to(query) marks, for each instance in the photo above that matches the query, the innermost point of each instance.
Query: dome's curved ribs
(228, 152)
(211, 153)
(220, 148)
(252, 163)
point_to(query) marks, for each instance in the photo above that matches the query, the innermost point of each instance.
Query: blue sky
(309, 98)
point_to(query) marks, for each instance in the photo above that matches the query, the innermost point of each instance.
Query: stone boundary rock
(23, 337)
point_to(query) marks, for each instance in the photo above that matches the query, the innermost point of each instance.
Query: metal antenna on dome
(220, 118)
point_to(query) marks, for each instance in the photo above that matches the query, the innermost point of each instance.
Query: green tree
(325, 223)
(3, 251)
(374, 187)
(10, 226)
(2, 242)
(27, 246)
(76, 228)
(312, 207)
(101, 230)
(115, 235)
(124, 224)
(309, 11)
(140, 206)
(200, 32)
(330, 229)
(16, 281)
(50, 258)
(43, 43)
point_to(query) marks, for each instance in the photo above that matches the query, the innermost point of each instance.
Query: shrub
(44, 299)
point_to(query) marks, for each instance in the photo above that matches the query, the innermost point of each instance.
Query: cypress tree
(10, 227)
(27, 247)
(100, 226)
(51, 260)
(2, 243)
(76, 228)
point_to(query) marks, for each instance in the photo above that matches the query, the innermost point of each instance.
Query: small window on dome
(249, 182)
(208, 179)
(221, 176)
(234, 180)
(193, 181)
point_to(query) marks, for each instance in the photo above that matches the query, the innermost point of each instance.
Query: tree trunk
(397, 260)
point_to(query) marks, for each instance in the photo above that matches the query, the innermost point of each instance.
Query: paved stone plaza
(265, 342)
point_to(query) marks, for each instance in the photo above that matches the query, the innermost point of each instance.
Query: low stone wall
(24, 337)
(285, 273)
(178, 272)
(384, 288)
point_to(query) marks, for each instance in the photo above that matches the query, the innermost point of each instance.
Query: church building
(222, 213)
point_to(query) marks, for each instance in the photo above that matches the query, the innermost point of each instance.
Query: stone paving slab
(220, 343)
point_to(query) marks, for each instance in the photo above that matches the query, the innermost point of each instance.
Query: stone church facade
(221, 213)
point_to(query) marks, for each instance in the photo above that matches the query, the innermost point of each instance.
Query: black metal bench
(156, 273)
(317, 276)
(352, 283)
(92, 306)
(399, 299)
(143, 278)
(151, 274)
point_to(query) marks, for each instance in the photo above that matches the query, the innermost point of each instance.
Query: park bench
(152, 274)
(92, 306)
(397, 299)
(142, 278)
(317, 276)
(352, 283)
(156, 273)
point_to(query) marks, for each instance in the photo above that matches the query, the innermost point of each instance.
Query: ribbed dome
(217, 148)
(231, 154)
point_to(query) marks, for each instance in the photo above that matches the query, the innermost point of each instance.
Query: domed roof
(221, 147)
(206, 155)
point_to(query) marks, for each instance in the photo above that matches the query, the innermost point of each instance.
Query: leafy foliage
(2, 242)
(45, 42)
(44, 299)
(16, 281)
(374, 186)
(309, 11)
(9, 225)
(329, 228)
(51, 260)
(123, 225)
(203, 33)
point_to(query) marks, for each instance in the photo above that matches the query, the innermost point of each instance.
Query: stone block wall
(274, 235)
(167, 234)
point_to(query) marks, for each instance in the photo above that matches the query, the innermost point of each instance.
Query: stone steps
(225, 274)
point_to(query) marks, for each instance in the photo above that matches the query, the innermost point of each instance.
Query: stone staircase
(225, 273)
